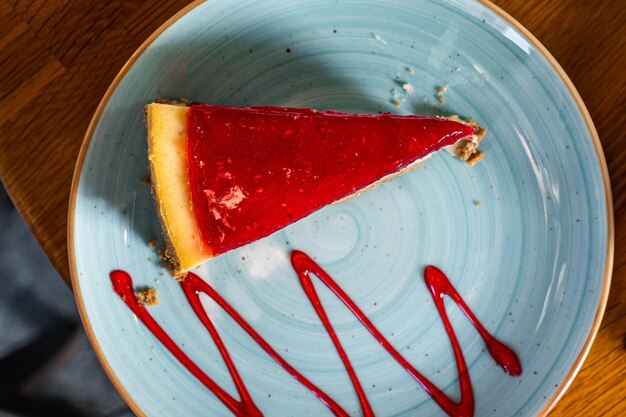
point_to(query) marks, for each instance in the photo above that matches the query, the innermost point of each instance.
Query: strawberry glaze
(255, 170)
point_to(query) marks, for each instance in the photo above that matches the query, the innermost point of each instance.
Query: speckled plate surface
(525, 236)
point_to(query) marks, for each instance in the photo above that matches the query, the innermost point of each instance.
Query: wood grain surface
(58, 57)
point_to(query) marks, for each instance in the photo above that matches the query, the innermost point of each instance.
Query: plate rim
(606, 285)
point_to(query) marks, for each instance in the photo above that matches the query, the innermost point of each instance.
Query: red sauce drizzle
(437, 282)
(123, 286)
(439, 286)
(193, 286)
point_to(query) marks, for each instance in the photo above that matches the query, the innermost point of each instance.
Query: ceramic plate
(525, 236)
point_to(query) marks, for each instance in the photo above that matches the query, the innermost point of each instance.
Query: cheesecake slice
(223, 177)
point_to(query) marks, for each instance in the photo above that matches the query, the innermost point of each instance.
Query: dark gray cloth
(47, 367)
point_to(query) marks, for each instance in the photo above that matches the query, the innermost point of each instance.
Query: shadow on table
(47, 367)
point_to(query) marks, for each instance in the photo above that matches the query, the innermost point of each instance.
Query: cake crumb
(148, 297)
(408, 87)
(145, 181)
(475, 158)
(441, 90)
(161, 255)
(410, 70)
(477, 203)
(397, 96)
(180, 277)
(152, 244)
(467, 150)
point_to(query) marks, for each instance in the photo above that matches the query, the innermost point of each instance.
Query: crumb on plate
(441, 90)
(475, 158)
(148, 297)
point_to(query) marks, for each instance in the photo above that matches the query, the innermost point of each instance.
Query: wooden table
(58, 58)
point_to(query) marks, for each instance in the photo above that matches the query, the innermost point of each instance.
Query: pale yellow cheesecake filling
(167, 153)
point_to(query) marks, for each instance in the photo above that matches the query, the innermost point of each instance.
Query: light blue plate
(525, 235)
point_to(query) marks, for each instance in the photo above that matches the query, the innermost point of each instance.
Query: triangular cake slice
(223, 177)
